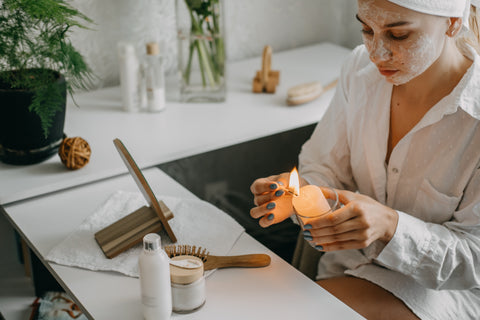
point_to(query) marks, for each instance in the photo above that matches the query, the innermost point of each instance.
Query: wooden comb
(211, 262)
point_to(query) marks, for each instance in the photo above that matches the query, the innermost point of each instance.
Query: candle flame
(294, 183)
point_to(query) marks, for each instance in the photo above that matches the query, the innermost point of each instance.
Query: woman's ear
(454, 26)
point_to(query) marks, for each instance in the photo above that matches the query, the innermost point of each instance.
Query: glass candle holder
(310, 208)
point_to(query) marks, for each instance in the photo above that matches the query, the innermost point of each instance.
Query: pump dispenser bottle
(154, 269)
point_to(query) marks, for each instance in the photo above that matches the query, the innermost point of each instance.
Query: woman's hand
(356, 225)
(273, 204)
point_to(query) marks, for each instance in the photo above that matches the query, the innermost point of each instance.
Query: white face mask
(404, 52)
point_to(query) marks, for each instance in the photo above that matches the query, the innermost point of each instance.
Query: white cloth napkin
(195, 222)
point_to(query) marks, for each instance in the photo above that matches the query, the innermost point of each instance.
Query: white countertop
(182, 129)
(278, 291)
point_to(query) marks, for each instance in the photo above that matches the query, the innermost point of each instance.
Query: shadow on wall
(223, 178)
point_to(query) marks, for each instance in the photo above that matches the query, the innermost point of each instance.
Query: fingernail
(307, 226)
(279, 193)
(271, 205)
(319, 247)
(273, 186)
(308, 238)
(270, 216)
(306, 233)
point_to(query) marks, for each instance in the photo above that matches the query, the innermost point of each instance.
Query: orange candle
(308, 201)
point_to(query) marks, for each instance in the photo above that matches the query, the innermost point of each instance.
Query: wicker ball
(74, 152)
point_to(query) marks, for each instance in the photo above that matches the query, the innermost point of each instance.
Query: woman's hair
(473, 37)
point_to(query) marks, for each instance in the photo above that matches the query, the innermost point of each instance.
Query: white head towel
(443, 8)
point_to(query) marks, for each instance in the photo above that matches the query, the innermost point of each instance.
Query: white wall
(249, 26)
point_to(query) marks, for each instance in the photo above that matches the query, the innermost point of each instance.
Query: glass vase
(201, 50)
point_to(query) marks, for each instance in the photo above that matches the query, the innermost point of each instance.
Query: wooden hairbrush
(211, 262)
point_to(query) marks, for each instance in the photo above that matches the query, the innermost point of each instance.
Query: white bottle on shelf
(154, 269)
(154, 78)
(129, 66)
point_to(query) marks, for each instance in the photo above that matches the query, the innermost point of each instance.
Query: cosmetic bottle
(155, 285)
(188, 283)
(154, 78)
(129, 67)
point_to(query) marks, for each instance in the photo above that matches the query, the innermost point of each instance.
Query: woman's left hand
(359, 222)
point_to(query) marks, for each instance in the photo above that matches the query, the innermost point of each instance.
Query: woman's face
(402, 43)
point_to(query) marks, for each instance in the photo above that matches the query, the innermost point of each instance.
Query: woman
(400, 142)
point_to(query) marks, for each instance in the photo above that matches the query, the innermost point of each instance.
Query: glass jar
(188, 283)
(201, 50)
(311, 204)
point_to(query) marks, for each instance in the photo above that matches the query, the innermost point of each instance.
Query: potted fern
(38, 66)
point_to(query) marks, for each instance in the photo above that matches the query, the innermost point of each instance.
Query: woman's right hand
(273, 203)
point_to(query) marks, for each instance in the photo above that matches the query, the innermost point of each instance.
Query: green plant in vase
(206, 42)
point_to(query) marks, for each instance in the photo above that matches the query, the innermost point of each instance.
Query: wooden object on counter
(307, 92)
(214, 262)
(266, 80)
(131, 229)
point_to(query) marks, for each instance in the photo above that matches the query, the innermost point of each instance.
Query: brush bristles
(185, 249)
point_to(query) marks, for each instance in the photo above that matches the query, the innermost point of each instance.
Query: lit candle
(308, 200)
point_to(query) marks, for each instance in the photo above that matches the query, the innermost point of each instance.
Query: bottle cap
(153, 48)
(185, 269)
(151, 242)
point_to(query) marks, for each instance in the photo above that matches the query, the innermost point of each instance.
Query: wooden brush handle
(246, 260)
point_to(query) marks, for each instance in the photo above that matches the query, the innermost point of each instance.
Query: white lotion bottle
(129, 77)
(154, 78)
(154, 269)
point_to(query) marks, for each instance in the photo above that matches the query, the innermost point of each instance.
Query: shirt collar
(467, 92)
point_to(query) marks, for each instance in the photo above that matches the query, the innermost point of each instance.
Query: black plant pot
(22, 140)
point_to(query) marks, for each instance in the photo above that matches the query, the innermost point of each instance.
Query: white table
(46, 202)
(182, 129)
(275, 292)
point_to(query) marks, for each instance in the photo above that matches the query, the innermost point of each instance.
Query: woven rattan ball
(74, 152)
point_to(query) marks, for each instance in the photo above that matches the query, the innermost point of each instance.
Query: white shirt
(432, 179)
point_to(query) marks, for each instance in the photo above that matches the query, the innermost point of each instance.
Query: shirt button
(395, 170)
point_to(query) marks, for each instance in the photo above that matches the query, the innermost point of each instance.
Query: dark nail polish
(279, 193)
(271, 205)
(307, 226)
(319, 247)
(308, 238)
(270, 216)
(307, 233)
(273, 186)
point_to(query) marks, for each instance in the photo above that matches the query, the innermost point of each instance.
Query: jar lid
(185, 269)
